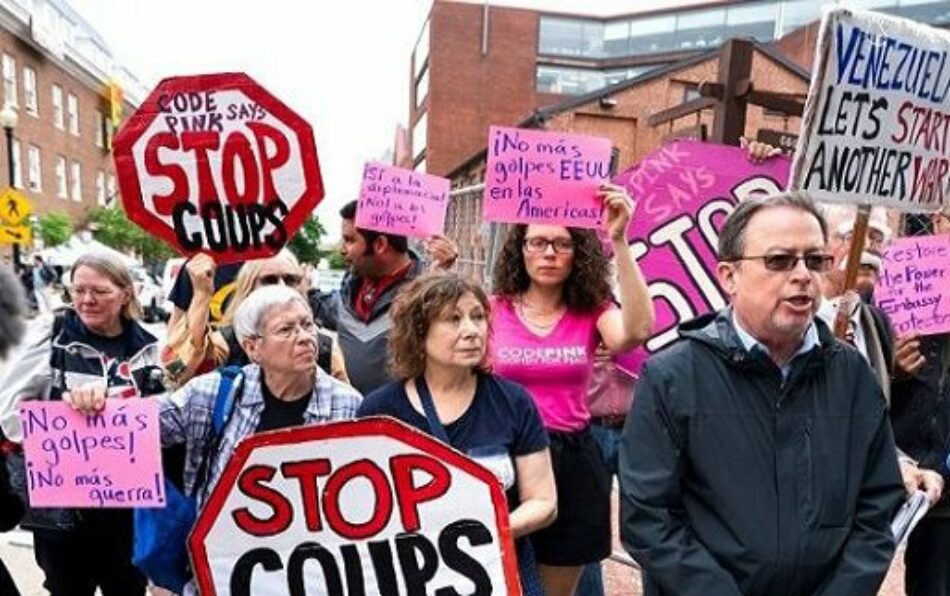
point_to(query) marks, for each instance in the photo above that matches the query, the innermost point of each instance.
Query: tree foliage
(54, 228)
(306, 242)
(114, 229)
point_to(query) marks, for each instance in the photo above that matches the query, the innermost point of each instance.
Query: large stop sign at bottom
(370, 507)
(216, 164)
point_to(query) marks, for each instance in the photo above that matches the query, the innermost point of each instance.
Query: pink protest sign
(545, 177)
(107, 460)
(684, 191)
(914, 285)
(403, 202)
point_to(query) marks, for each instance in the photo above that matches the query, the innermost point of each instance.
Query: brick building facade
(58, 75)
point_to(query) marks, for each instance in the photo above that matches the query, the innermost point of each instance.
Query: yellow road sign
(14, 207)
(15, 235)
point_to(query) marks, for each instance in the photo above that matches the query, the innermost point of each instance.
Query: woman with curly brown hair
(552, 308)
(438, 350)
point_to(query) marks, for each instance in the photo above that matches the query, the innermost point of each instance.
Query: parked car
(150, 295)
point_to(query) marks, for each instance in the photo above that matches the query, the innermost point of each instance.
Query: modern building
(477, 63)
(69, 94)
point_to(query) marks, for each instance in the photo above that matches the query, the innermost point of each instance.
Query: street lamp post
(8, 120)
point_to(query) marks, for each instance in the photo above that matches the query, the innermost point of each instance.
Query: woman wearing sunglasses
(553, 307)
(194, 348)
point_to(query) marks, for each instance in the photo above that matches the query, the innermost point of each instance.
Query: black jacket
(735, 481)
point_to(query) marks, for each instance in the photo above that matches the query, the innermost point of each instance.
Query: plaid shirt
(185, 417)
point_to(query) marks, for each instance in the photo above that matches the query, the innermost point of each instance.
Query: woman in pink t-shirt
(551, 309)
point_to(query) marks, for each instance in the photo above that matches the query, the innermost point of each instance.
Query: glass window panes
(110, 188)
(419, 135)
(421, 53)
(72, 109)
(561, 37)
(100, 129)
(700, 29)
(29, 91)
(797, 13)
(35, 176)
(9, 80)
(57, 96)
(61, 176)
(616, 39)
(592, 39)
(652, 35)
(755, 20)
(75, 179)
(422, 87)
(568, 81)
(101, 187)
(935, 12)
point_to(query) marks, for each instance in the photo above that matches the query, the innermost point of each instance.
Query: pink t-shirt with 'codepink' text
(555, 368)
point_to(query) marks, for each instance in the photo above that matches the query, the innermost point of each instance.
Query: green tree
(336, 261)
(54, 228)
(306, 242)
(113, 228)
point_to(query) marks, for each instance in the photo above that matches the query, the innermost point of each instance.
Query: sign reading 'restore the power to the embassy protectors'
(684, 192)
(876, 126)
(545, 177)
(398, 201)
(108, 459)
(216, 164)
(914, 285)
(363, 507)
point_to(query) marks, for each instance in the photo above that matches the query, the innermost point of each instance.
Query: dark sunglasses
(273, 279)
(817, 262)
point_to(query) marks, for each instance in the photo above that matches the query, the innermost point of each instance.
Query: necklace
(520, 304)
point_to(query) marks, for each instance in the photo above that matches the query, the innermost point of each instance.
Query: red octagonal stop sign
(365, 507)
(216, 164)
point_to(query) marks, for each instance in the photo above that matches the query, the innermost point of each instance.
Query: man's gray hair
(249, 319)
(732, 235)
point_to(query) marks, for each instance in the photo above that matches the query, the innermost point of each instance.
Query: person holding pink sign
(97, 341)
(552, 308)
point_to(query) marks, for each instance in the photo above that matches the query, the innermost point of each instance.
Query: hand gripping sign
(359, 508)
(216, 164)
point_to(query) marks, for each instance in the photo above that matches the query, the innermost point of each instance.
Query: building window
(571, 37)
(110, 189)
(568, 81)
(421, 166)
(58, 120)
(72, 108)
(419, 135)
(421, 52)
(29, 92)
(34, 169)
(61, 177)
(75, 180)
(422, 87)
(9, 80)
(17, 169)
(100, 129)
(101, 187)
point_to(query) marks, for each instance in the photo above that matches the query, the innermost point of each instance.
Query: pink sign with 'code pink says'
(914, 285)
(545, 177)
(398, 201)
(107, 460)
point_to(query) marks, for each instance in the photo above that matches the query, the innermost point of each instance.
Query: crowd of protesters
(762, 455)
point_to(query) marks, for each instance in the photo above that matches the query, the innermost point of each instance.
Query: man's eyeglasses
(817, 262)
(273, 279)
(539, 245)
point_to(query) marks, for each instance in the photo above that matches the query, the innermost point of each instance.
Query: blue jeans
(608, 439)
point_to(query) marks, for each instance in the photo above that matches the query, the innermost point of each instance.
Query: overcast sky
(342, 64)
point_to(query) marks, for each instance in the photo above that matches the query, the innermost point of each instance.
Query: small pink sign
(398, 201)
(545, 177)
(914, 285)
(107, 460)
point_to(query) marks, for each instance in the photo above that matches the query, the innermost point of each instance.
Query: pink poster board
(398, 201)
(108, 460)
(545, 177)
(684, 191)
(914, 285)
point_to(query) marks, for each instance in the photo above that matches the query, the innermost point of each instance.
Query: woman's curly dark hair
(586, 287)
(418, 304)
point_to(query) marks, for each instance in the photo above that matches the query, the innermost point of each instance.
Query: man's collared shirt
(749, 342)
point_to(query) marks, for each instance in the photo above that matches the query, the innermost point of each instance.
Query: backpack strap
(224, 403)
(324, 351)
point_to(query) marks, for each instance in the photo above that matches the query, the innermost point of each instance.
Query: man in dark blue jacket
(758, 458)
